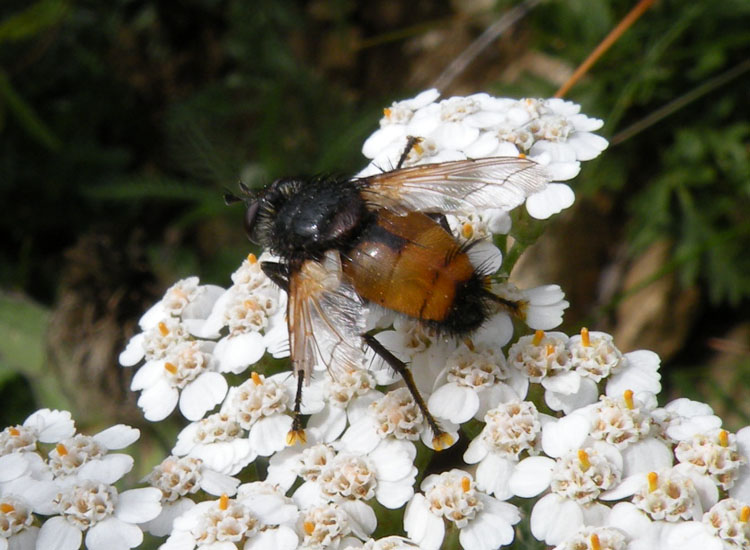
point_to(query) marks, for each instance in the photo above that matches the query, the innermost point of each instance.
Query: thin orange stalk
(604, 45)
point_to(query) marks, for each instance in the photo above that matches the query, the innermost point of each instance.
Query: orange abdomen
(409, 264)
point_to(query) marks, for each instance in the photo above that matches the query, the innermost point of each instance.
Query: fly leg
(279, 274)
(411, 142)
(440, 439)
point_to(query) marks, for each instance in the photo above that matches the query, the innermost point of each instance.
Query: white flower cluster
(552, 132)
(197, 333)
(62, 480)
(608, 467)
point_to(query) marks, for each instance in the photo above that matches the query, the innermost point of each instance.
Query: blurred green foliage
(129, 119)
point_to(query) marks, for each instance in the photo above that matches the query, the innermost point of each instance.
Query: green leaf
(25, 115)
(23, 325)
(32, 20)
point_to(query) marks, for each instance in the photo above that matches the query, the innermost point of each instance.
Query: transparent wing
(326, 318)
(456, 186)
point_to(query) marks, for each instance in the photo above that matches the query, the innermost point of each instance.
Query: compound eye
(251, 215)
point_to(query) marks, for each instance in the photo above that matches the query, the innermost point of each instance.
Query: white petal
(202, 305)
(553, 519)
(646, 455)
(158, 401)
(235, 353)
(486, 257)
(394, 495)
(58, 534)
(486, 532)
(282, 538)
(628, 518)
(587, 393)
(381, 139)
(133, 352)
(627, 487)
(691, 535)
(13, 466)
(271, 509)
(329, 423)
(25, 540)
(555, 198)
(497, 330)
(476, 451)
(217, 484)
(456, 403)
(153, 315)
(268, 435)
(113, 534)
(362, 520)
(308, 494)
(51, 425)
(394, 459)
(565, 435)
(148, 375)
(161, 526)
(108, 469)
(485, 146)
(545, 295)
(587, 145)
(361, 437)
(641, 373)
(566, 383)
(202, 395)
(138, 505)
(531, 476)
(454, 135)
(118, 436)
(421, 526)
(493, 476)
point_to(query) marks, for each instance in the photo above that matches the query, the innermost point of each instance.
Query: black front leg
(440, 439)
(278, 273)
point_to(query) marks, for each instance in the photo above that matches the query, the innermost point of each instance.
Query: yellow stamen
(171, 368)
(61, 450)
(522, 155)
(585, 341)
(467, 231)
(724, 438)
(223, 502)
(442, 441)
(583, 458)
(465, 484)
(309, 526)
(6, 508)
(628, 397)
(550, 349)
(252, 305)
(538, 337)
(163, 328)
(595, 544)
(745, 514)
(252, 258)
(653, 482)
(14, 432)
(295, 436)
(256, 378)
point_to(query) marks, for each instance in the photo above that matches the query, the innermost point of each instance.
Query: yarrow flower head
(551, 131)
(452, 497)
(569, 420)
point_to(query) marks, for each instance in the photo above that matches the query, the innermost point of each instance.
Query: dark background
(122, 123)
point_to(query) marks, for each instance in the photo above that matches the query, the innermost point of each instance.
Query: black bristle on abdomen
(472, 306)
